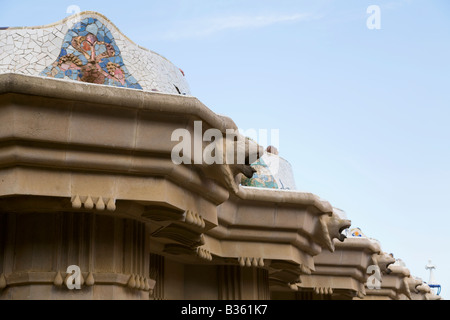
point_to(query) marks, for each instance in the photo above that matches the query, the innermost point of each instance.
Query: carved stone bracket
(323, 290)
(140, 283)
(251, 262)
(100, 203)
(294, 285)
(195, 219)
(204, 254)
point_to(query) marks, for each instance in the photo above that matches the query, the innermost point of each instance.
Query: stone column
(36, 249)
(242, 283)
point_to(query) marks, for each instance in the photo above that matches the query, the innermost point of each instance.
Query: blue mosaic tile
(262, 178)
(92, 28)
(89, 53)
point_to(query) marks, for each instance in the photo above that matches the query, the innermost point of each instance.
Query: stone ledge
(108, 97)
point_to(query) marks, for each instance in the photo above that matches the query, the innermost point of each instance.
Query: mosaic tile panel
(262, 178)
(34, 50)
(89, 53)
(356, 233)
(281, 171)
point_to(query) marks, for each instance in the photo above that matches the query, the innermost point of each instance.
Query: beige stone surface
(86, 179)
(394, 285)
(343, 271)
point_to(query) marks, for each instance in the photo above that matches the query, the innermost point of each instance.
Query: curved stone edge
(104, 95)
(401, 271)
(285, 196)
(358, 244)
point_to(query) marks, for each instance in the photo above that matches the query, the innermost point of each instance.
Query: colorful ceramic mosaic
(356, 233)
(87, 47)
(281, 171)
(262, 178)
(89, 53)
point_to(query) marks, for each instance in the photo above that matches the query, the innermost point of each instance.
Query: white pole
(431, 280)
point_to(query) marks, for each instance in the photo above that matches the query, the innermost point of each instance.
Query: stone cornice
(108, 149)
(284, 197)
(358, 244)
(344, 269)
(108, 97)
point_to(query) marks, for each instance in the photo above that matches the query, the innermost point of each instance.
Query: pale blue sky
(363, 114)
